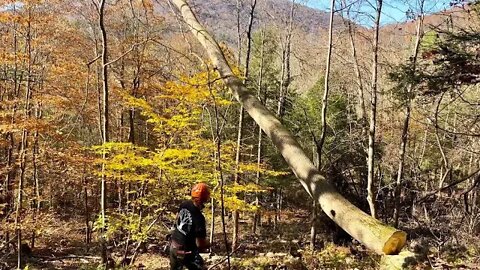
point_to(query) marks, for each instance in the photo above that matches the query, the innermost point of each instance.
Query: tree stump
(404, 260)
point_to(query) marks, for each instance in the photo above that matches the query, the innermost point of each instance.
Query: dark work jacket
(189, 225)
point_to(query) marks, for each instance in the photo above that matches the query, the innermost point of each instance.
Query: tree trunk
(105, 124)
(9, 137)
(218, 145)
(324, 115)
(278, 209)
(10, 173)
(285, 73)
(212, 220)
(236, 176)
(241, 120)
(313, 227)
(10, 176)
(18, 211)
(239, 33)
(24, 142)
(249, 38)
(36, 181)
(256, 217)
(369, 231)
(362, 115)
(440, 147)
(85, 200)
(284, 85)
(131, 121)
(327, 87)
(406, 122)
(373, 116)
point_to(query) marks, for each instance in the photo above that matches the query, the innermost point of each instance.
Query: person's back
(189, 235)
(189, 225)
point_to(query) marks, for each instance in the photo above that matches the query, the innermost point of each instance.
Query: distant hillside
(397, 39)
(452, 18)
(274, 12)
(310, 34)
(220, 16)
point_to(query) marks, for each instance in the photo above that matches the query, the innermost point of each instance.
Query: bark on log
(372, 233)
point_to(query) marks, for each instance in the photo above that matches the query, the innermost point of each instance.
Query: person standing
(189, 236)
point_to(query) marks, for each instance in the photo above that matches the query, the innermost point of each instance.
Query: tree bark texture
(369, 231)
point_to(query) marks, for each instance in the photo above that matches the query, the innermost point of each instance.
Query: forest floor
(61, 246)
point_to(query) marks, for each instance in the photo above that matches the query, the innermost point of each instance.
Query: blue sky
(393, 10)
(10, 6)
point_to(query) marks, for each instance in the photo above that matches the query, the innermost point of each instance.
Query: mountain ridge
(220, 16)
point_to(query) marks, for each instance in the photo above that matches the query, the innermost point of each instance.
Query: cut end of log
(395, 243)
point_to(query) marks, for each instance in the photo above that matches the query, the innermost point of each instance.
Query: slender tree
(256, 218)
(219, 170)
(404, 138)
(24, 140)
(36, 180)
(362, 115)
(241, 118)
(324, 114)
(239, 32)
(285, 81)
(373, 113)
(285, 75)
(10, 136)
(236, 176)
(105, 123)
(326, 86)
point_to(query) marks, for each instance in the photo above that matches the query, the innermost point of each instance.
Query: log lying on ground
(372, 233)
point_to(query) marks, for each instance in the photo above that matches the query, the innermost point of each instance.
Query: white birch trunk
(374, 234)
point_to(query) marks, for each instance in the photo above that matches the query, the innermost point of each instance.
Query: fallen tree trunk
(372, 233)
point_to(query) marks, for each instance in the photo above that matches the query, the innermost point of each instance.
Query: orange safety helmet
(201, 192)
